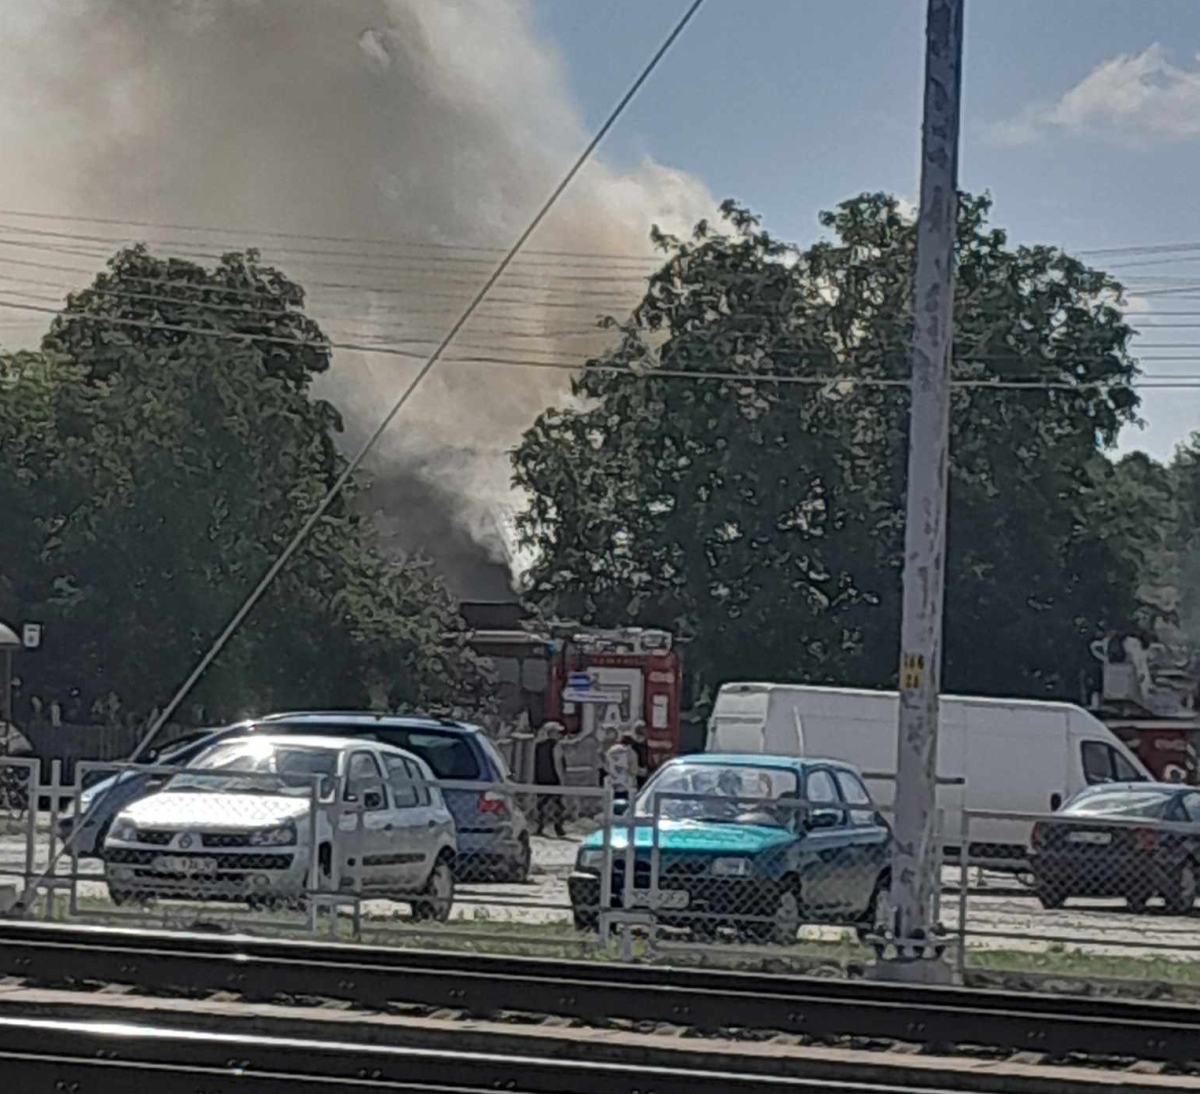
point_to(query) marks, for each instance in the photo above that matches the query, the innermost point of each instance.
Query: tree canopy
(158, 454)
(753, 498)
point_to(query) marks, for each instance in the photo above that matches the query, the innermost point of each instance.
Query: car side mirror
(1055, 802)
(823, 818)
(372, 799)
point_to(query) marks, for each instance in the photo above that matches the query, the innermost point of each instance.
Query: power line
(356, 240)
(652, 373)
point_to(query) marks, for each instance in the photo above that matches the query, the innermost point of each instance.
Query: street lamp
(8, 642)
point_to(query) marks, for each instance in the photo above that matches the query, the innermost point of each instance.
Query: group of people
(625, 762)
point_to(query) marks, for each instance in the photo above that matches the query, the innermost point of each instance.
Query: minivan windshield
(257, 766)
(723, 786)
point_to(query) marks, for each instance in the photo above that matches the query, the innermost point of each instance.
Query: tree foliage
(160, 451)
(756, 503)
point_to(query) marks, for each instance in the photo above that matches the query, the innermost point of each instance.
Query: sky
(1080, 117)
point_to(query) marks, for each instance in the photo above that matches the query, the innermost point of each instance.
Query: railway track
(258, 969)
(47, 1055)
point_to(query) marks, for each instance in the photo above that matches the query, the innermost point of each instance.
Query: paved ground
(1000, 914)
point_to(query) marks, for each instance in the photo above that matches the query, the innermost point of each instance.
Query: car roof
(755, 759)
(363, 720)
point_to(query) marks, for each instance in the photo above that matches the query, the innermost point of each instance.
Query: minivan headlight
(279, 836)
(125, 831)
(731, 867)
(590, 861)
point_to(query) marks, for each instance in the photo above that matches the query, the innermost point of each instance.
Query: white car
(237, 824)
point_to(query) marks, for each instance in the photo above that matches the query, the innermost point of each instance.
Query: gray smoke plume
(430, 121)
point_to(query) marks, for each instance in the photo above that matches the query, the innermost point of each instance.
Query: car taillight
(1146, 839)
(491, 802)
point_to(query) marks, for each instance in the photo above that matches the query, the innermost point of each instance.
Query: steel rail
(709, 1000)
(44, 1054)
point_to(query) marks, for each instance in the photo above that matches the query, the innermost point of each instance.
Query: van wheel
(1181, 894)
(517, 871)
(438, 898)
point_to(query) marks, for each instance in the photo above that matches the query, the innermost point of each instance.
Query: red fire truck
(586, 678)
(615, 679)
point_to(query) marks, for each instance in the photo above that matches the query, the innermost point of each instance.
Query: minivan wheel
(1181, 894)
(436, 901)
(516, 872)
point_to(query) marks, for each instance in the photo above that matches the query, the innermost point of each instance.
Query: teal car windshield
(733, 793)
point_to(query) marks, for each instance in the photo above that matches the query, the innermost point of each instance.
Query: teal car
(757, 845)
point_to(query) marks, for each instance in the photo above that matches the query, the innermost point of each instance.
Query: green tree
(193, 451)
(763, 517)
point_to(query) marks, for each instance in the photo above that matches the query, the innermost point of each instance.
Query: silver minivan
(238, 824)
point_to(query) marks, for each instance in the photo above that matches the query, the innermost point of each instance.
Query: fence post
(81, 769)
(606, 862)
(31, 812)
(314, 857)
(939, 838)
(52, 880)
(964, 879)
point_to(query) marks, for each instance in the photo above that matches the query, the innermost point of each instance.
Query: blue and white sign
(579, 681)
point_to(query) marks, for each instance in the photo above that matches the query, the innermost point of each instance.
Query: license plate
(1100, 838)
(667, 898)
(180, 864)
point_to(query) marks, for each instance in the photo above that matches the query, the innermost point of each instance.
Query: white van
(1002, 755)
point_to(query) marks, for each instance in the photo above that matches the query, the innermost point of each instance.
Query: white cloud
(1136, 95)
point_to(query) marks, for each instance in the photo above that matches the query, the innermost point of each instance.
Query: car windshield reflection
(734, 794)
(257, 767)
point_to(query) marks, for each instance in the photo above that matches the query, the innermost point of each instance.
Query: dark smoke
(414, 514)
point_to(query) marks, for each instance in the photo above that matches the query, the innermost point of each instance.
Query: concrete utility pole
(928, 455)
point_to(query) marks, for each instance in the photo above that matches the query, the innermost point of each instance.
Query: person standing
(621, 764)
(549, 769)
(641, 749)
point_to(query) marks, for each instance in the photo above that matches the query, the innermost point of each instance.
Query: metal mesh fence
(718, 874)
(1095, 896)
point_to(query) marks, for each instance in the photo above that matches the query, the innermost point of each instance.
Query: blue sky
(1082, 117)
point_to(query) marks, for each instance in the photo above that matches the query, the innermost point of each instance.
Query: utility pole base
(916, 970)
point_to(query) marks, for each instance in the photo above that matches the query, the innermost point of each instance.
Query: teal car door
(823, 844)
(867, 838)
